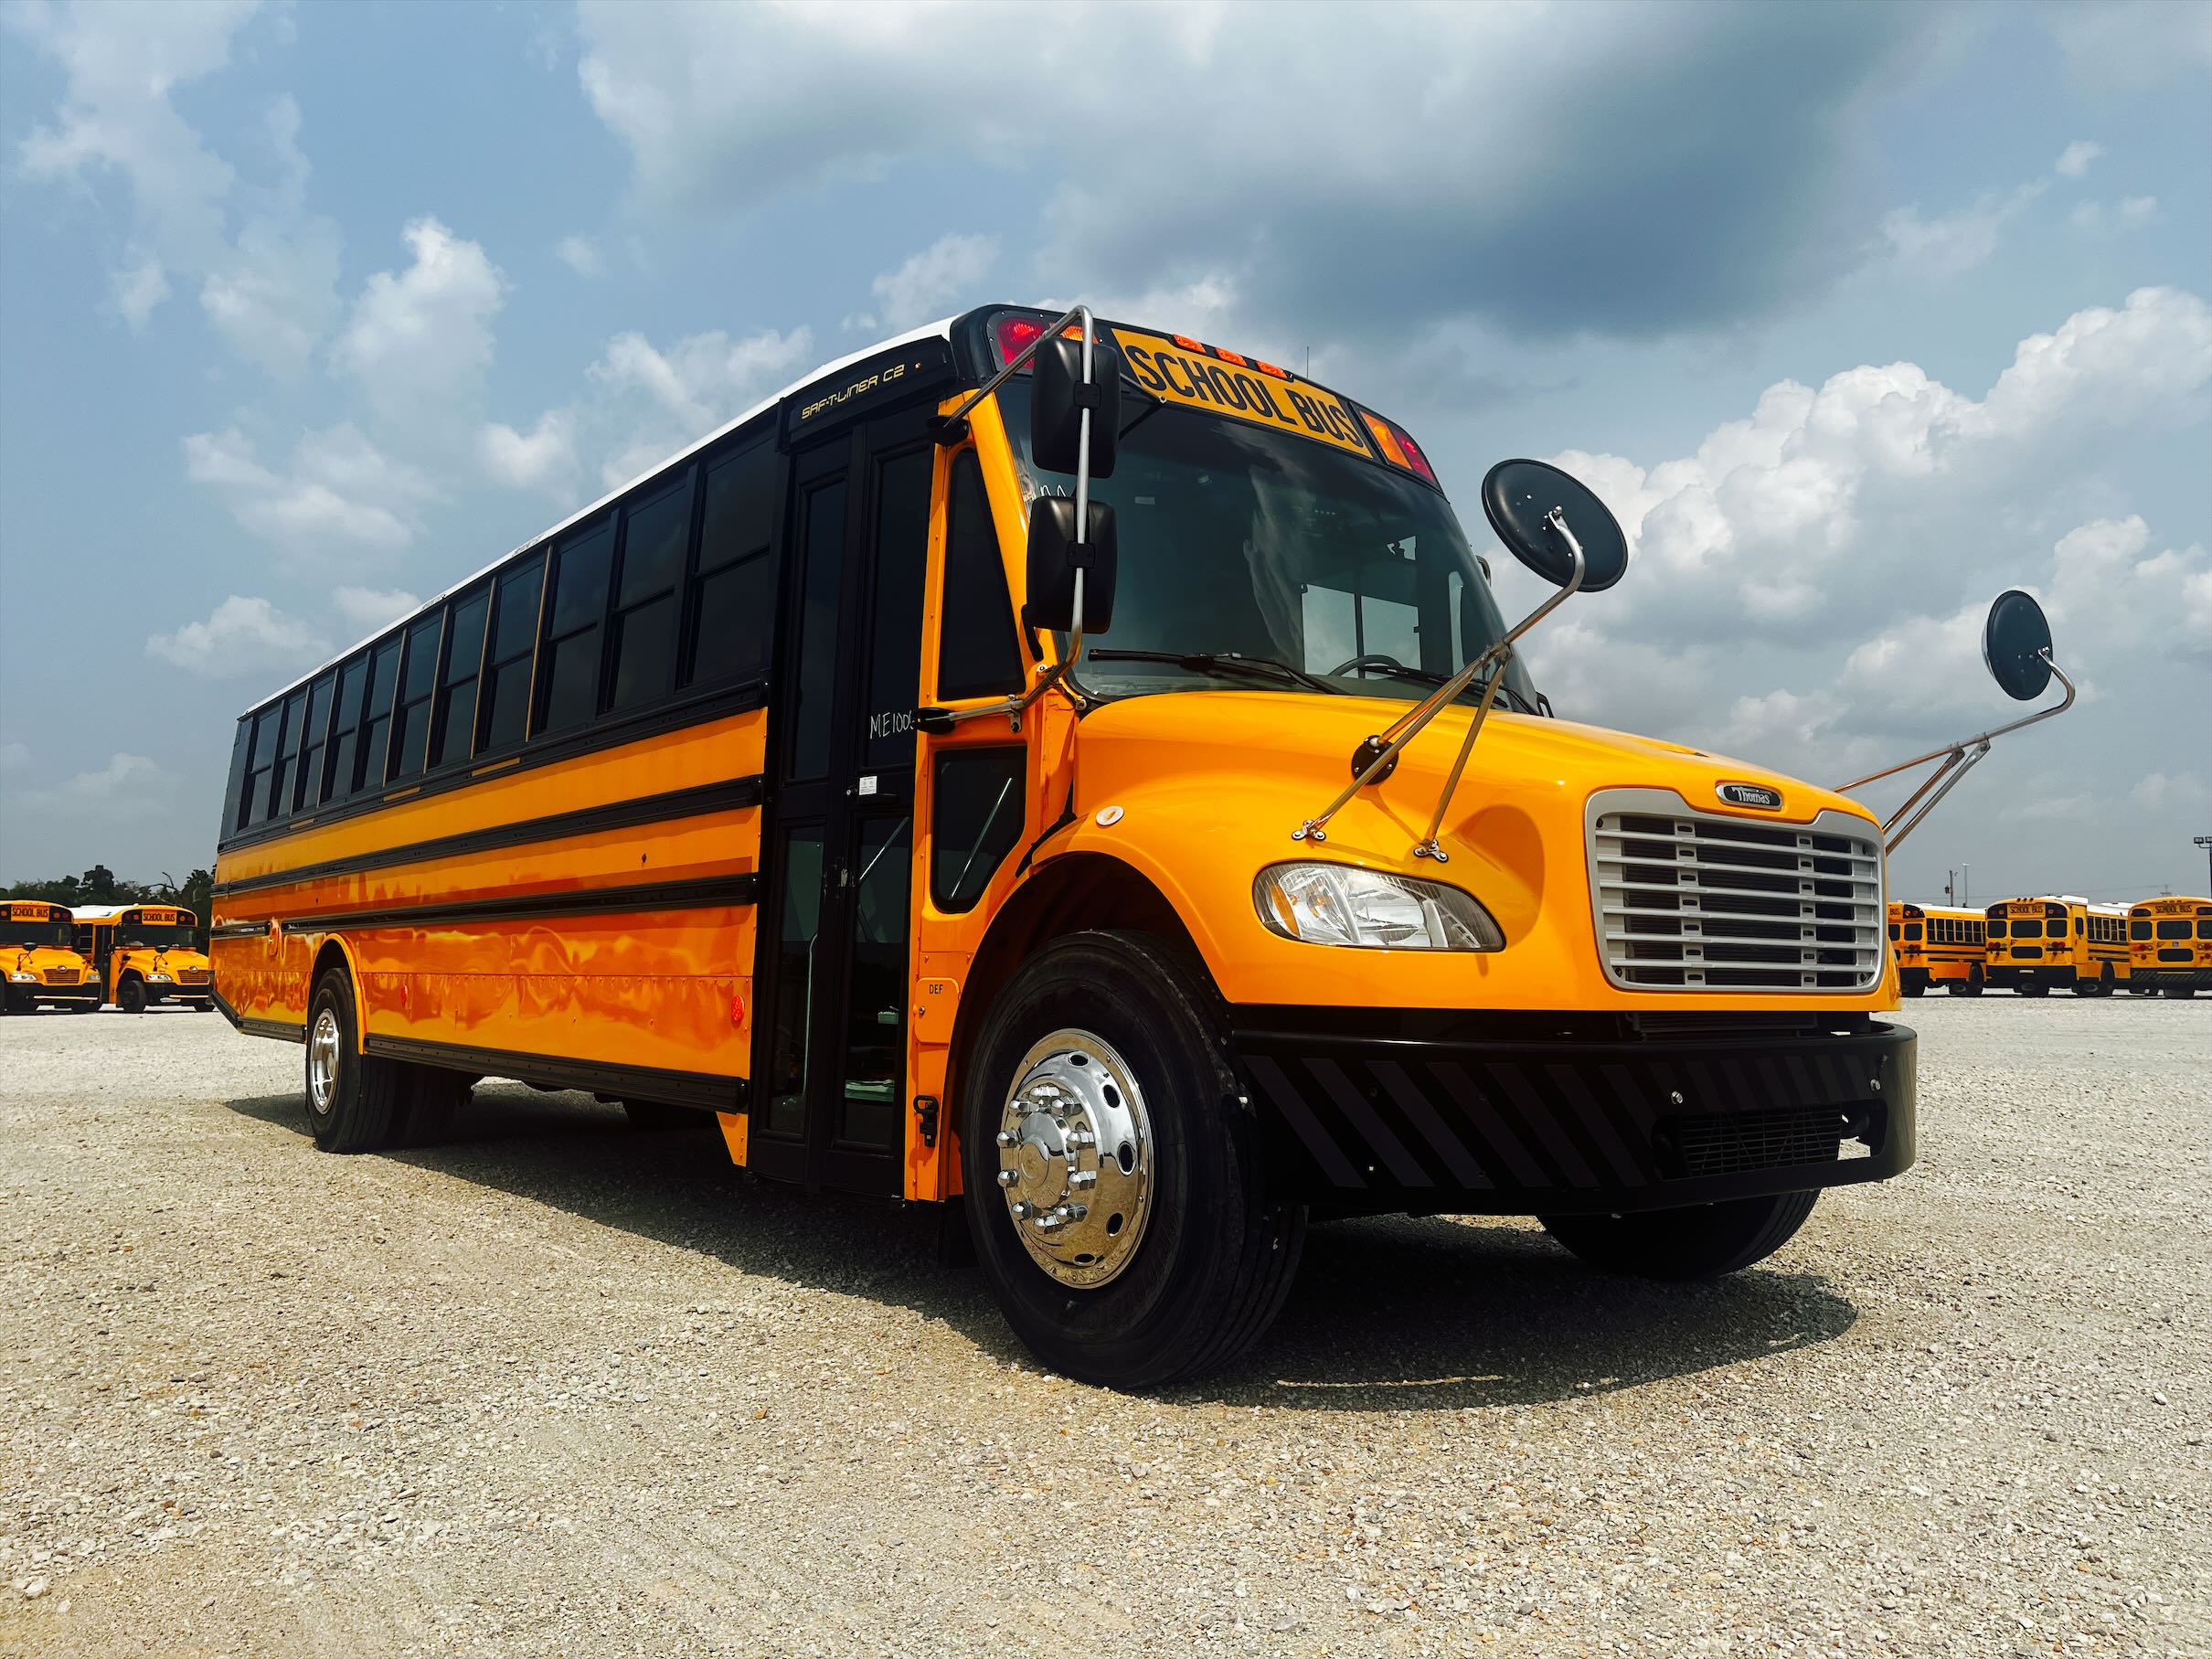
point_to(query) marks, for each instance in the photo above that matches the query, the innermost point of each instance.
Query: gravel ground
(556, 1386)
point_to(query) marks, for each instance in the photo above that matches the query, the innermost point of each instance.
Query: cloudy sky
(1855, 314)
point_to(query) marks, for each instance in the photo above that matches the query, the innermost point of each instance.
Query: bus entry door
(830, 1109)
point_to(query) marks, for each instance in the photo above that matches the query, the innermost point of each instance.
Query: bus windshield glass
(154, 936)
(1237, 539)
(34, 935)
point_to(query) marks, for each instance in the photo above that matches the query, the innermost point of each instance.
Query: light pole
(2206, 842)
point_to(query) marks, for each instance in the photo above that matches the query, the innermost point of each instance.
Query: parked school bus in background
(42, 968)
(2170, 945)
(145, 954)
(784, 785)
(1936, 945)
(2038, 945)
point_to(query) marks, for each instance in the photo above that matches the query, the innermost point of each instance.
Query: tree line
(100, 885)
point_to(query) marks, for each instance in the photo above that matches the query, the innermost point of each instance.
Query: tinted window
(815, 683)
(975, 818)
(307, 787)
(2203, 930)
(377, 714)
(235, 788)
(734, 584)
(2139, 930)
(456, 714)
(345, 732)
(288, 754)
(655, 534)
(412, 727)
(1912, 930)
(901, 554)
(977, 654)
(568, 693)
(2172, 930)
(505, 696)
(261, 758)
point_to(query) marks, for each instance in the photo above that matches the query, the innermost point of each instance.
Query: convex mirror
(2016, 644)
(1058, 398)
(1518, 497)
(1055, 556)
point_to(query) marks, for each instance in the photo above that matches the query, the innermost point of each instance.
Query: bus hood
(1210, 787)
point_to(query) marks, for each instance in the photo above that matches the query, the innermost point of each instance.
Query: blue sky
(1856, 316)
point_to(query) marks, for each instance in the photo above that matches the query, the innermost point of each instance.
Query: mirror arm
(1408, 725)
(1957, 762)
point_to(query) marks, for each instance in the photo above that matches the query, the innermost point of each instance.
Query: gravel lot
(557, 1386)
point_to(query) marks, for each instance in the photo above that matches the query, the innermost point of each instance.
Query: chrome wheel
(323, 1053)
(1075, 1159)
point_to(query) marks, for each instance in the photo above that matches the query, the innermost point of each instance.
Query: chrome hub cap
(1075, 1159)
(323, 1063)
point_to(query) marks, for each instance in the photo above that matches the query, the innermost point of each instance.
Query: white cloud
(655, 401)
(2129, 213)
(581, 255)
(2175, 793)
(542, 458)
(2074, 159)
(127, 787)
(365, 610)
(419, 340)
(1952, 243)
(341, 493)
(240, 636)
(942, 278)
(137, 289)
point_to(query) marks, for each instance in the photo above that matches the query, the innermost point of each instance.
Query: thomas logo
(1750, 794)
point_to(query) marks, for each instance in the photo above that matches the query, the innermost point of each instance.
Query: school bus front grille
(1696, 901)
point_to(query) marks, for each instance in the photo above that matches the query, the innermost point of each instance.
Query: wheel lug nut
(1006, 1177)
(1084, 1177)
(1006, 1137)
(1022, 1212)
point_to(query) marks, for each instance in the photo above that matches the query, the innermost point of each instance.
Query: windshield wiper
(1406, 672)
(1217, 662)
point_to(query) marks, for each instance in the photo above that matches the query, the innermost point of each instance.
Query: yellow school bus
(37, 951)
(2056, 942)
(1079, 775)
(145, 954)
(2170, 945)
(1937, 945)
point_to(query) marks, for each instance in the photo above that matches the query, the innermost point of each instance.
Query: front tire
(132, 998)
(1101, 1099)
(1700, 1242)
(354, 1099)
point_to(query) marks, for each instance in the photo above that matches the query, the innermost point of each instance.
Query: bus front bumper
(1573, 1114)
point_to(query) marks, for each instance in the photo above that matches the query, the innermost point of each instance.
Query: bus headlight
(23, 979)
(157, 979)
(1340, 904)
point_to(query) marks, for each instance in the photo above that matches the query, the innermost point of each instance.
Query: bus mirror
(1058, 398)
(1527, 503)
(2016, 645)
(1055, 556)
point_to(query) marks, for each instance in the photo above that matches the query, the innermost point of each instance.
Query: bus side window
(288, 754)
(975, 819)
(455, 718)
(345, 733)
(236, 784)
(264, 756)
(977, 654)
(504, 701)
(419, 680)
(377, 716)
(733, 583)
(656, 533)
(567, 688)
(307, 784)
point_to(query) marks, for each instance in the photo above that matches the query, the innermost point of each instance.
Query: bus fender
(334, 951)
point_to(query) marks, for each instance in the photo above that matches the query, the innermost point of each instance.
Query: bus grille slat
(1692, 902)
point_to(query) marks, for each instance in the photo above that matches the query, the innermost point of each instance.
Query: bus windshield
(154, 936)
(1237, 539)
(34, 935)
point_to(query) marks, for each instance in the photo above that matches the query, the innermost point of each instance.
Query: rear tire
(354, 1099)
(430, 1098)
(1111, 1036)
(1701, 1242)
(2034, 987)
(131, 997)
(1913, 982)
